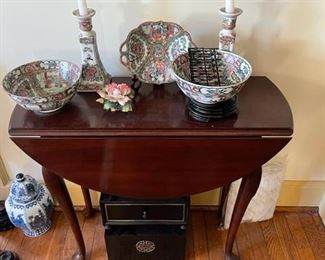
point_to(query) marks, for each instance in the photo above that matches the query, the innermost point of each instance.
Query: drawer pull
(144, 214)
(145, 246)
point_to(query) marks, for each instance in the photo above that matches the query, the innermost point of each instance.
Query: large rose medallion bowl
(42, 86)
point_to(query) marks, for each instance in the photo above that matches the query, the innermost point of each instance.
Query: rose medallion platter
(149, 50)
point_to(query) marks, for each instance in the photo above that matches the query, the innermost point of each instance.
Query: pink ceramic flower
(116, 93)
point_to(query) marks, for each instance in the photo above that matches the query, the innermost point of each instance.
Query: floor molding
(302, 209)
(293, 193)
(311, 210)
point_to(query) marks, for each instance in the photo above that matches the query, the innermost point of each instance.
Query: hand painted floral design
(90, 73)
(116, 97)
(149, 50)
(233, 70)
(42, 86)
(94, 76)
(227, 35)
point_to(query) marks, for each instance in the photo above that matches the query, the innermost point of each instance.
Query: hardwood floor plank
(316, 241)
(214, 236)
(275, 244)
(258, 245)
(199, 236)
(244, 243)
(98, 249)
(189, 242)
(88, 232)
(224, 233)
(285, 236)
(33, 246)
(294, 236)
(299, 236)
(15, 239)
(4, 236)
(55, 246)
(70, 244)
(320, 226)
(320, 229)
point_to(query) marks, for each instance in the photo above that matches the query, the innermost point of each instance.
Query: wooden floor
(286, 236)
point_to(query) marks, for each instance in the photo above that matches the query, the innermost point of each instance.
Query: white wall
(284, 40)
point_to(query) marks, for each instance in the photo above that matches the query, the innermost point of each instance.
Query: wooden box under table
(142, 229)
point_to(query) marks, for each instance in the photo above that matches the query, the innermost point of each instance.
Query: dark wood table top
(161, 111)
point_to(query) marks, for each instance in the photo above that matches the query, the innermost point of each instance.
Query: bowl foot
(48, 111)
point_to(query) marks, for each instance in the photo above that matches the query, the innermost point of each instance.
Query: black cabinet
(146, 242)
(145, 230)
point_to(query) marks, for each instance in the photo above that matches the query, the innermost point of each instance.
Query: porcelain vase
(29, 206)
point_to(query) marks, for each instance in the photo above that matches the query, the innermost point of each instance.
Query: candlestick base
(93, 74)
(227, 35)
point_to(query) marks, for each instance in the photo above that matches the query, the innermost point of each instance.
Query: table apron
(151, 167)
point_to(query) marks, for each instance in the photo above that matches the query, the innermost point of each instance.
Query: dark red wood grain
(161, 111)
(151, 167)
(157, 151)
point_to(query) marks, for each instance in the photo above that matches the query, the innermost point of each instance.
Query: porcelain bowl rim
(214, 87)
(70, 86)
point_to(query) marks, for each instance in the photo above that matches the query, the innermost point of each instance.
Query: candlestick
(82, 6)
(230, 6)
(227, 35)
(93, 74)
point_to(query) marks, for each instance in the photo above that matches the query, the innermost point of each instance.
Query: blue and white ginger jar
(29, 206)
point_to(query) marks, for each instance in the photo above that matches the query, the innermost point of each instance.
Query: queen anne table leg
(59, 190)
(88, 211)
(247, 190)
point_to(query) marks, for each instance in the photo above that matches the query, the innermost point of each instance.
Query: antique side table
(157, 151)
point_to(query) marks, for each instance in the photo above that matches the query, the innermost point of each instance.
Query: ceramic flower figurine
(116, 97)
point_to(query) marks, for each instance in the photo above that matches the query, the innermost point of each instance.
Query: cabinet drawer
(121, 211)
(146, 242)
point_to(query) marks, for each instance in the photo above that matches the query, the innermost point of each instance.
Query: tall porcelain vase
(29, 205)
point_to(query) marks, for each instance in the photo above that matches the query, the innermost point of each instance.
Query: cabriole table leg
(247, 190)
(88, 211)
(59, 190)
(224, 194)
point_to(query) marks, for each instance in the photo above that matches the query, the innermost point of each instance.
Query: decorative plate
(150, 49)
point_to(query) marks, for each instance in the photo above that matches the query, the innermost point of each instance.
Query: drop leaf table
(157, 151)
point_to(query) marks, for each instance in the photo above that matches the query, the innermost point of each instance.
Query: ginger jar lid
(24, 188)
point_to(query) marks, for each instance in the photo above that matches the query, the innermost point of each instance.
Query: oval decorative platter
(150, 49)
